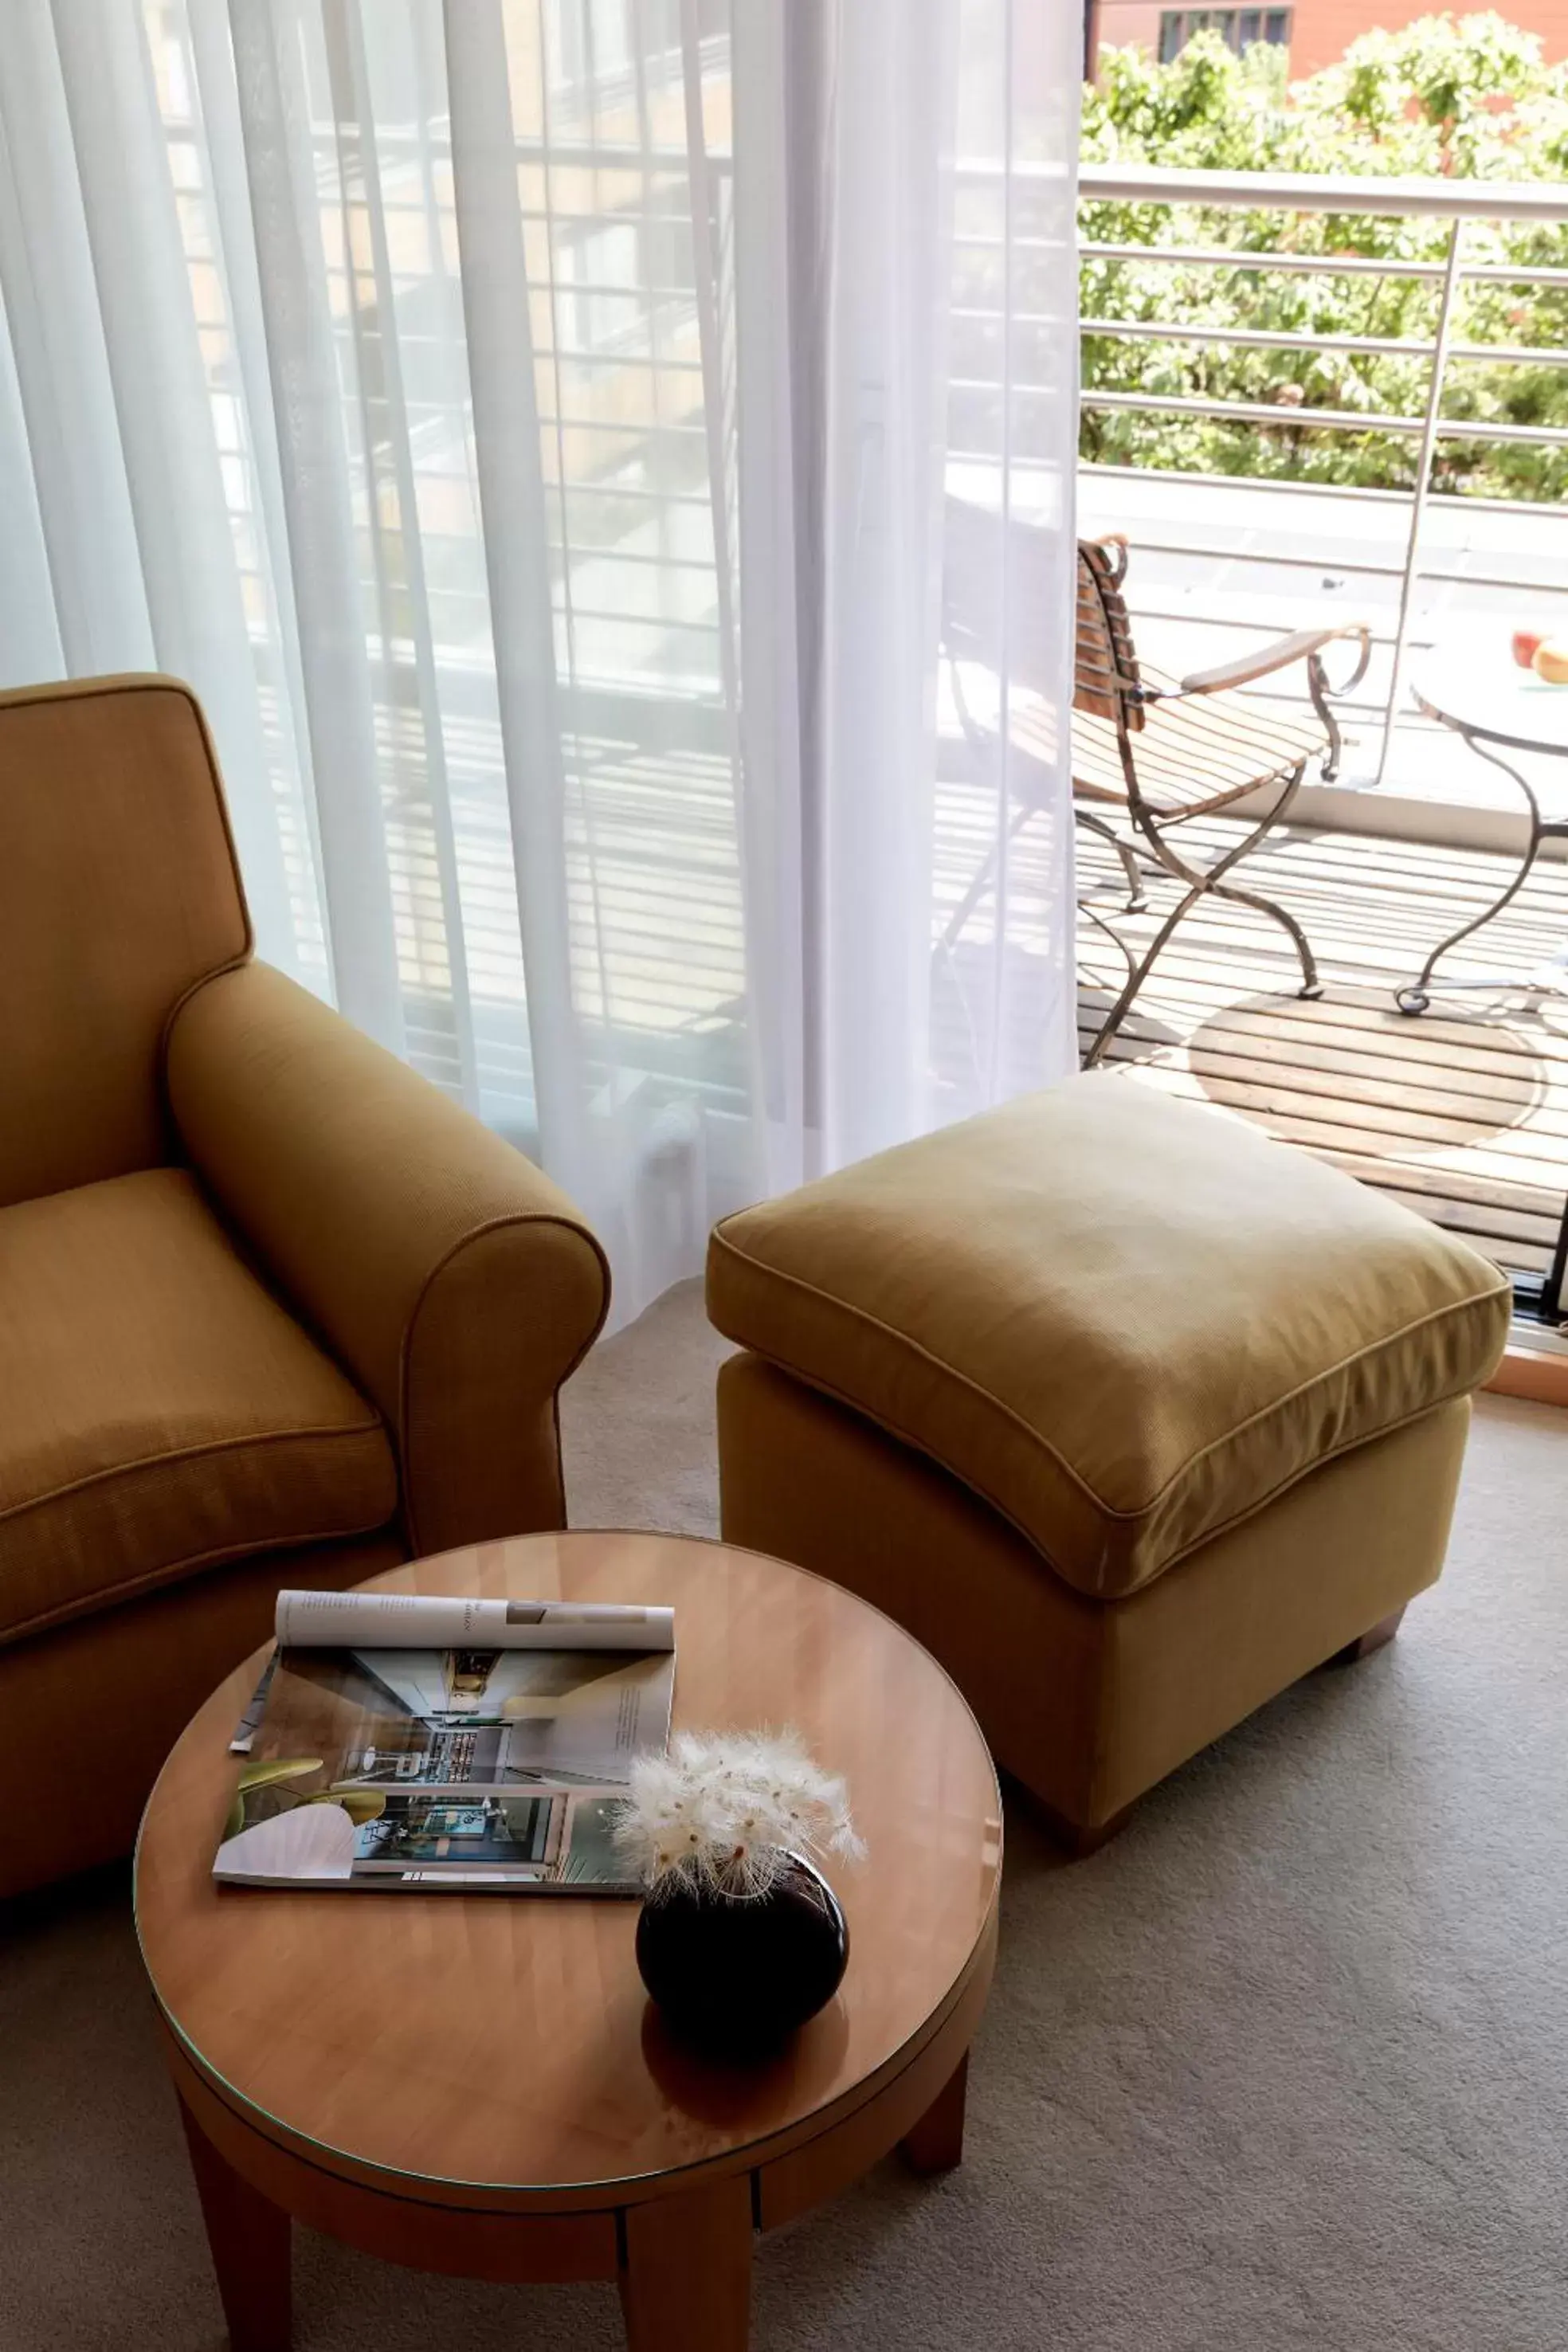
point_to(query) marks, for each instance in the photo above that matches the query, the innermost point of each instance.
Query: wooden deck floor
(1462, 1113)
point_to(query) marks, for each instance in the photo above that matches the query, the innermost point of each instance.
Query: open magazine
(399, 1740)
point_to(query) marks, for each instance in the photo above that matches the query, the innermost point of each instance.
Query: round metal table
(1482, 694)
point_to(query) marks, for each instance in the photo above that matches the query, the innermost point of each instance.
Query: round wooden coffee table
(477, 2083)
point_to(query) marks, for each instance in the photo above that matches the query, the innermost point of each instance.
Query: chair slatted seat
(1195, 755)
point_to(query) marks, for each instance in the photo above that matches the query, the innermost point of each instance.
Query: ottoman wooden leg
(1383, 1631)
(1076, 1839)
(1079, 1842)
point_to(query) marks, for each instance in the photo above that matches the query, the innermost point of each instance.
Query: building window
(1239, 28)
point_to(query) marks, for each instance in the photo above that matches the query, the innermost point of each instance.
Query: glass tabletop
(1475, 684)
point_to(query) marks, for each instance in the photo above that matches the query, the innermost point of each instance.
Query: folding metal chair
(1163, 751)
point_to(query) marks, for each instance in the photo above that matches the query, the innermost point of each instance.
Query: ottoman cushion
(1127, 1323)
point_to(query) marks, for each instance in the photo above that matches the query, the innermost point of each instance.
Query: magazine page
(464, 1768)
(415, 1621)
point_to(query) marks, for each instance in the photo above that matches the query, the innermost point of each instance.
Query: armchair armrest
(455, 1283)
(1302, 646)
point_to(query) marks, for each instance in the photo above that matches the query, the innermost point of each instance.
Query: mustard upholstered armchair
(272, 1309)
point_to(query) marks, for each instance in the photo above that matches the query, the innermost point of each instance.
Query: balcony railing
(1404, 553)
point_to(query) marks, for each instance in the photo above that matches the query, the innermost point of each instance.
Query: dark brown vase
(733, 1977)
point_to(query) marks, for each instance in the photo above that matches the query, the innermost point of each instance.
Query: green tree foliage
(1466, 98)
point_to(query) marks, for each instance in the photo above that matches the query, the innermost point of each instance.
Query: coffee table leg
(936, 2143)
(248, 2236)
(686, 2273)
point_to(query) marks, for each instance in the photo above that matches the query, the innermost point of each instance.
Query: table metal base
(1414, 999)
(1535, 1296)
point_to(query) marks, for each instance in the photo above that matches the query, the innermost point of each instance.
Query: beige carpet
(1287, 2066)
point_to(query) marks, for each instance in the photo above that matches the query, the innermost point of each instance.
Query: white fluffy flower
(725, 1811)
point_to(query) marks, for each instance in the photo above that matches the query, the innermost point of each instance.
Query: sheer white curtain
(606, 467)
(907, 286)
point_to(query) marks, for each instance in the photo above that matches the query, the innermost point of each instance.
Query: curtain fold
(312, 367)
(882, 322)
(508, 451)
(56, 334)
(908, 290)
(173, 469)
(606, 467)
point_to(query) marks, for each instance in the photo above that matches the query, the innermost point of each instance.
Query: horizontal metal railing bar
(578, 216)
(646, 291)
(1225, 257)
(1331, 420)
(1173, 330)
(1537, 587)
(1511, 355)
(1209, 553)
(637, 620)
(648, 294)
(652, 428)
(1259, 339)
(1252, 412)
(578, 489)
(1314, 192)
(615, 555)
(1437, 199)
(1461, 428)
(1362, 492)
(566, 355)
(1270, 628)
(1326, 265)
(1505, 274)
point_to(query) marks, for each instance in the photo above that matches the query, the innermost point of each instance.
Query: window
(1237, 28)
(588, 47)
(598, 267)
(592, 46)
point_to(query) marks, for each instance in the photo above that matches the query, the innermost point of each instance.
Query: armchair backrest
(118, 891)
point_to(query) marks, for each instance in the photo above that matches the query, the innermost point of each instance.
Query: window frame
(1177, 27)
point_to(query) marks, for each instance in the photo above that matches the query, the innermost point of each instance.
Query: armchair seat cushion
(1128, 1324)
(160, 1411)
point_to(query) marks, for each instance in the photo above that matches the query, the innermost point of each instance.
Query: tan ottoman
(1130, 1414)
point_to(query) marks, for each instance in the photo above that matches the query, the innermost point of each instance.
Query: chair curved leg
(1137, 976)
(982, 880)
(1097, 919)
(1311, 986)
(1137, 899)
(1318, 687)
(1203, 882)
